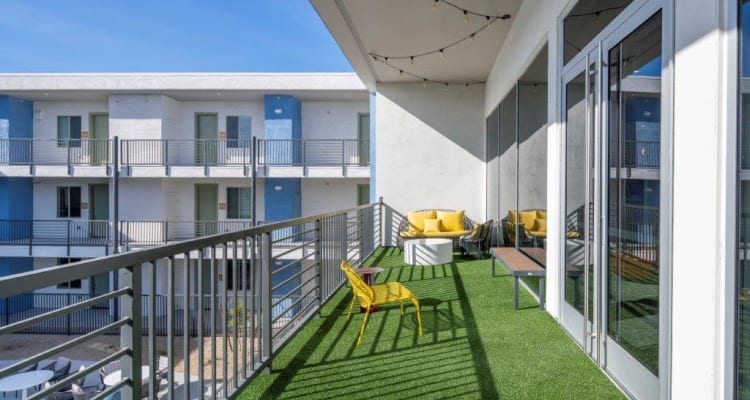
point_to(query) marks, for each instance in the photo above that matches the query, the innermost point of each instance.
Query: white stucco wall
(430, 147)
(325, 195)
(331, 119)
(46, 113)
(135, 116)
(252, 109)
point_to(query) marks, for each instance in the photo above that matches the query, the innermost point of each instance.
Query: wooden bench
(520, 265)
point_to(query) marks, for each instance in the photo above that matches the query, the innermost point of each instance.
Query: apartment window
(238, 131)
(69, 131)
(69, 202)
(74, 284)
(230, 275)
(238, 203)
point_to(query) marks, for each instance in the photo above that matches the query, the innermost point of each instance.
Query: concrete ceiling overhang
(402, 28)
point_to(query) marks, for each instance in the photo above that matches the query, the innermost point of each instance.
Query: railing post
(69, 316)
(116, 195)
(343, 152)
(265, 300)
(319, 264)
(131, 334)
(68, 236)
(380, 217)
(165, 153)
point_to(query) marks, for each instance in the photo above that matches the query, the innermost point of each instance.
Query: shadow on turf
(433, 320)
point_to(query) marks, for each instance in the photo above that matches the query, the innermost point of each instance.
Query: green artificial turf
(475, 346)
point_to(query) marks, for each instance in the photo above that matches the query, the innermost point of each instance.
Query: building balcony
(55, 238)
(157, 158)
(248, 313)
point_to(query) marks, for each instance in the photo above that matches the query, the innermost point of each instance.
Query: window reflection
(743, 265)
(586, 20)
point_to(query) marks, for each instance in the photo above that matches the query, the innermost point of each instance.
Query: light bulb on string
(424, 82)
(401, 72)
(466, 17)
(471, 37)
(446, 86)
(442, 54)
(412, 59)
(487, 20)
(435, 4)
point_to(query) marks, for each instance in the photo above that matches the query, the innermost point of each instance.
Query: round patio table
(24, 381)
(115, 377)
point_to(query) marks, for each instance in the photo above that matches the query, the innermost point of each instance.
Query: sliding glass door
(612, 286)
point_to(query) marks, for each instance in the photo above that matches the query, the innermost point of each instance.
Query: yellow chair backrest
(362, 290)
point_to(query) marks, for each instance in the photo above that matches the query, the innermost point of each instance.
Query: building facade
(95, 164)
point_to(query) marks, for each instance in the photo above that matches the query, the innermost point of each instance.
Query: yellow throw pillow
(452, 220)
(432, 225)
(527, 218)
(540, 225)
(541, 214)
(416, 219)
(512, 216)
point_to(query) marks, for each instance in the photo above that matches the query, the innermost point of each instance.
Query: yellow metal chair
(377, 295)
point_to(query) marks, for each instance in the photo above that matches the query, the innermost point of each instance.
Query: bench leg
(541, 293)
(515, 293)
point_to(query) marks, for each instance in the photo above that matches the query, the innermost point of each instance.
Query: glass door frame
(587, 334)
(618, 363)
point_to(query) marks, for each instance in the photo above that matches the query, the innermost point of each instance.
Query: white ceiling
(403, 28)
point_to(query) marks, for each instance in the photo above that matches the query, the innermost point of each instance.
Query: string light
(425, 80)
(489, 20)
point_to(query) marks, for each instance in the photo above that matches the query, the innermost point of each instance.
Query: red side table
(368, 275)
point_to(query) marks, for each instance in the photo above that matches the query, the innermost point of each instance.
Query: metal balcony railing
(154, 233)
(320, 152)
(55, 151)
(639, 154)
(185, 152)
(55, 232)
(247, 299)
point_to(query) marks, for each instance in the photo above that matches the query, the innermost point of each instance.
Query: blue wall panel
(283, 198)
(10, 266)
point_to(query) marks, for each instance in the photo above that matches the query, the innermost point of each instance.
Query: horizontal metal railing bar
(64, 346)
(28, 281)
(295, 248)
(295, 262)
(292, 236)
(289, 279)
(301, 312)
(79, 374)
(17, 326)
(291, 292)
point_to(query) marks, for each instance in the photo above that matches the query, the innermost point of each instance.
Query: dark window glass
(239, 282)
(238, 203)
(743, 264)
(238, 131)
(633, 205)
(586, 20)
(69, 131)
(69, 202)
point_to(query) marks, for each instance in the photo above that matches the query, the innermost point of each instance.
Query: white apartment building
(93, 164)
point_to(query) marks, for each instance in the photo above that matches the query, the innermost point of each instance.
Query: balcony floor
(475, 346)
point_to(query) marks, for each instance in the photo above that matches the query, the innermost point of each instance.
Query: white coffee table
(430, 251)
(24, 381)
(115, 377)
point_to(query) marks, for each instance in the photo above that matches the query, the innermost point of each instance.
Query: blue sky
(165, 36)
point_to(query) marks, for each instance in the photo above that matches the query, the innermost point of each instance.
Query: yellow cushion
(416, 219)
(541, 214)
(410, 234)
(432, 225)
(573, 235)
(512, 216)
(452, 220)
(527, 218)
(540, 225)
(538, 233)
